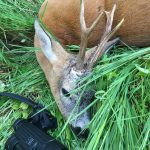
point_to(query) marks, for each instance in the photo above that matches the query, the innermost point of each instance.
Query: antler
(104, 42)
(85, 33)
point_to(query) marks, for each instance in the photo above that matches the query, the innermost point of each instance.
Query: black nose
(80, 133)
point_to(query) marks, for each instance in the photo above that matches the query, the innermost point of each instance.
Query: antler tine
(104, 42)
(85, 33)
(109, 16)
(82, 19)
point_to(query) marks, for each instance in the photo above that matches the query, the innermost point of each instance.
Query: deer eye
(65, 92)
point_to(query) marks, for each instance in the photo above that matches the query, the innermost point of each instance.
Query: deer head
(63, 70)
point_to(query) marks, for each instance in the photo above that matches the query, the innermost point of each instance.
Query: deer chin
(82, 121)
(79, 125)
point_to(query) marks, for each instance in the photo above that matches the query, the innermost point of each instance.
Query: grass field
(121, 117)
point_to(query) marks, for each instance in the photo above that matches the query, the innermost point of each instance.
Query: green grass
(122, 81)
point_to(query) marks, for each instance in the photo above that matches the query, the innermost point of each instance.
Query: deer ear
(45, 42)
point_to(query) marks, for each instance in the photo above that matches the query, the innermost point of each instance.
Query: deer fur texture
(94, 27)
(62, 18)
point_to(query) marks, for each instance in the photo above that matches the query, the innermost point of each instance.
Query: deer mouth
(79, 133)
(79, 125)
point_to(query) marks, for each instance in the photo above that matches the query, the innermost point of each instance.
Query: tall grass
(122, 81)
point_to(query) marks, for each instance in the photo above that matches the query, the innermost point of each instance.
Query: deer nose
(80, 133)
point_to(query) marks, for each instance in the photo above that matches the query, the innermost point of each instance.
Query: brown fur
(62, 18)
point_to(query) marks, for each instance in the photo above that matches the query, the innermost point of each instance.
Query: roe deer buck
(63, 69)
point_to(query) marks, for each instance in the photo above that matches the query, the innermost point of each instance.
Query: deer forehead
(71, 80)
(71, 77)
